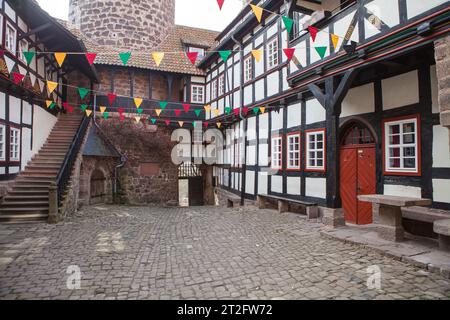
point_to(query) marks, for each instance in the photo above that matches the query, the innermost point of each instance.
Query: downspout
(243, 118)
(123, 158)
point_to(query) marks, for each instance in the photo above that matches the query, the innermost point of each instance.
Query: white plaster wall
(441, 190)
(263, 155)
(293, 185)
(251, 128)
(441, 150)
(416, 7)
(26, 113)
(402, 191)
(226, 180)
(259, 66)
(322, 40)
(251, 155)
(2, 170)
(401, 90)
(264, 126)
(248, 95)
(43, 123)
(316, 187)
(277, 119)
(300, 54)
(285, 82)
(294, 115)
(359, 100)
(272, 30)
(250, 182)
(391, 17)
(277, 184)
(14, 109)
(259, 40)
(2, 105)
(13, 170)
(237, 75)
(341, 27)
(434, 89)
(262, 182)
(27, 152)
(10, 11)
(259, 90)
(273, 84)
(314, 112)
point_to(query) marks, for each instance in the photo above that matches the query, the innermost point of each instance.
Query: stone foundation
(332, 217)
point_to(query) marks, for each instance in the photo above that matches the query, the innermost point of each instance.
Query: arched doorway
(98, 192)
(358, 171)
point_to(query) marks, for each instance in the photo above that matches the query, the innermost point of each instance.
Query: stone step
(41, 173)
(28, 193)
(27, 198)
(25, 217)
(24, 204)
(47, 166)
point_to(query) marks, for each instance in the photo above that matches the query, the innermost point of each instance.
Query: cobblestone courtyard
(197, 253)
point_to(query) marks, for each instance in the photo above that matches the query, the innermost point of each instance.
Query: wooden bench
(424, 214)
(442, 228)
(312, 210)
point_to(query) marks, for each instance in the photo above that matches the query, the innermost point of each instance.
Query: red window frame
(281, 152)
(296, 133)
(419, 146)
(324, 131)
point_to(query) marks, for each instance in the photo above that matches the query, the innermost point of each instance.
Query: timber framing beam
(34, 31)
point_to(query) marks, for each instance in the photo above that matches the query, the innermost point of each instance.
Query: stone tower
(125, 24)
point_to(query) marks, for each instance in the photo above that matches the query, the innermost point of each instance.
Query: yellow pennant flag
(257, 54)
(181, 123)
(258, 11)
(88, 112)
(207, 107)
(158, 112)
(48, 103)
(138, 102)
(219, 124)
(216, 112)
(335, 40)
(262, 109)
(102, 109)
(158, 57)
(60, 57)
(51, 86)
(138, 119)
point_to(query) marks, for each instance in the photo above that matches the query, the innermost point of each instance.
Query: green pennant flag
(194, 124)
(52, 106)
(225, 55)
(83, 92)
(140, 110)
(84, 107)
(198, 111)
(105, 115)
(321, 51)
(288, 22)
(29, 55)
(153, 121)
(255, 110)
(227, 110)
(125, 56)
(163, 104)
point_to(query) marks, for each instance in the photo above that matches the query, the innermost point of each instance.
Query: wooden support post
(53, 216)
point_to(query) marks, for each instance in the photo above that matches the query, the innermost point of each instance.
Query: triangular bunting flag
(167, 122)
(206, 124)
(84, 107)
(236, 111)
(65, 105)
(90, 56)
(49, 104)
(138, 119)
(216, 112)
(313, 31)
(186, 107)
(181, 123)
(334, 40)
(18, 77)
(197, 112)
(153, 120)
(138, 102)
(219, 124)
(262, 109)
(245, 110)
(102, 109)
(321, 51)
(51, 86)
(120, 110)
(257, 54)
(227, 110)
(60, 57)
(220, 3)
(288, 22)
(289, 52)
(158, 112)
(192, 56)
(158, 57)
(88, 113)
(83, 92)
(207, 107)
(194, 124)
(29, 55)
(163, 104)
(105, 115)
(125, 57)
(111, 98)
(70, 109)
(256, 110)
(177, 112)
(122, 117)
(9, 63)
(140, 110)
(225, 55)
(258, 11)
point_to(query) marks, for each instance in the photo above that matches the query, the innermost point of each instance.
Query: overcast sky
(193, 13)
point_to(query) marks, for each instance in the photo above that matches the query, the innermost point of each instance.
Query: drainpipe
(243, 118)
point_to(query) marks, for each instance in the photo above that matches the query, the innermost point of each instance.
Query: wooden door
(196, 191)
(366, 182)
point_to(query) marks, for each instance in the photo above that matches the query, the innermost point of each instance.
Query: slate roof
(97, 145)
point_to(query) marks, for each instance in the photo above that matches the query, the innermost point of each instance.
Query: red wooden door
(358, 177)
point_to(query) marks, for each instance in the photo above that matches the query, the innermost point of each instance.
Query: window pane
(394, 152)
(409, 152)
(409, 127)
(409, 138)
(409, 163)
(394, 139)
(320, 163)
(394, 129)
(394, 163)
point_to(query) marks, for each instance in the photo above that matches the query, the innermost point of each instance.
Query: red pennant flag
(69, 108)
(245, 111)
(91, 57)
(220, 3)
(121, 110)
(177, 112)
(206, 124)
(122, 117)
(167, 122)
(111, 98)
(66, 106)
(313, 31)
(186, 107)
(236, 112)
(17, 77)
(289, 52)
(192, 57)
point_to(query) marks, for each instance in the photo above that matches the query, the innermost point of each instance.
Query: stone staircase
(28, 200)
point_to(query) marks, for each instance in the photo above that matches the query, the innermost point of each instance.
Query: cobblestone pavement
(197, 253)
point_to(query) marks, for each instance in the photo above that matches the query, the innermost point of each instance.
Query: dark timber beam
(169, 78)
(34, 31)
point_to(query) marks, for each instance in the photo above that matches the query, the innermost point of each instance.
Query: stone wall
(149, 176)
(136, 24)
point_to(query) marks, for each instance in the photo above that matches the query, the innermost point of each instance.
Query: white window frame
(14, 144)
(277, 152)
(402, 145)
(248, 69)
(197, 93)
(2, 142)
(272, 53)
(316, 150)
(293, 151)
(214, 89)
(20, 54)
(201, 51)
(221, 85)
(8, 40)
